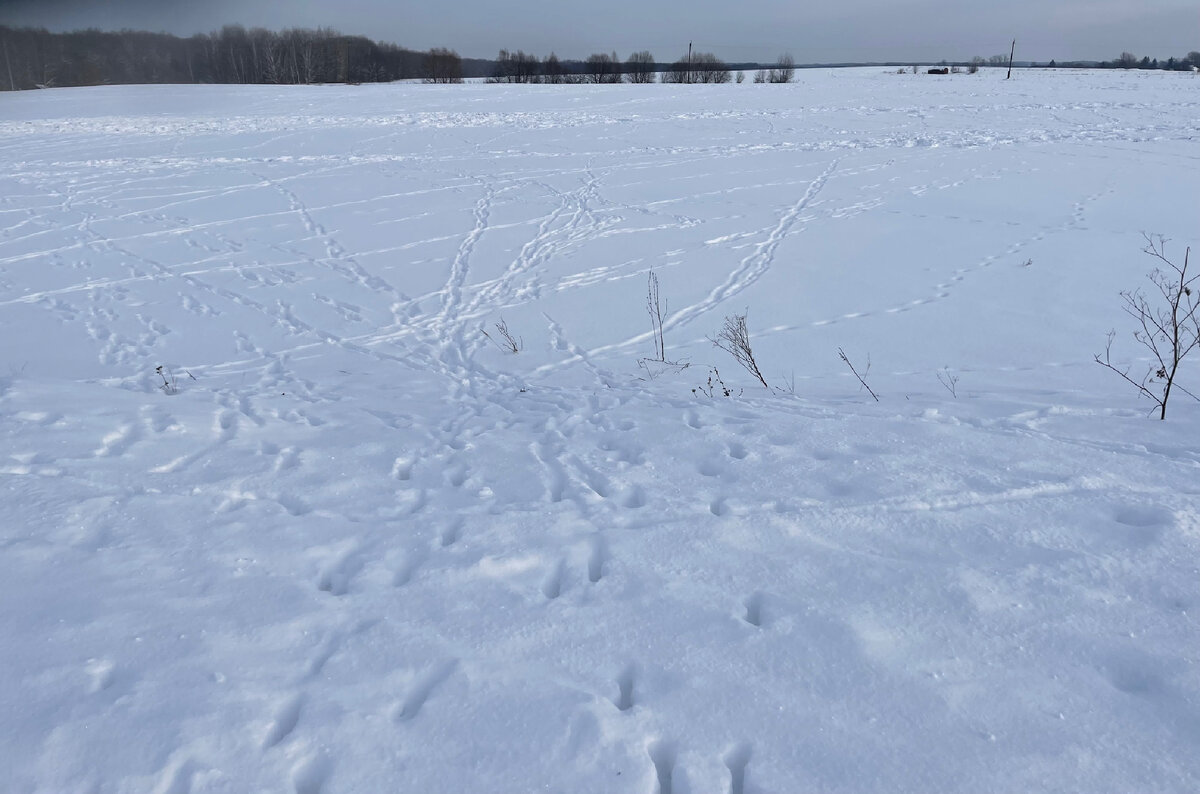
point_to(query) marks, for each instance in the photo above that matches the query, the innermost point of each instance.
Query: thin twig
(844, 357)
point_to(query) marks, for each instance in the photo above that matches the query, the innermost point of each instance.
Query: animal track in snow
(116, 442)
(450, 533)
(625, 682)
(662, 755)
(1143, 525)
(754, 605)
(310, 774)
(294, 505)
(736, 760)
(422, 687)
(456, 474)
(101, 673)
(596, 557)
(225, 424)
(177, 777)
(284, 722)
(404, 568)
(1141, 517)
(633, 497)
(552, 585)
(336, 574)
(402, 468)
(547, 452)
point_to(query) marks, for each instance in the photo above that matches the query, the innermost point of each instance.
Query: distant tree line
(640, 67)
(1128, 60)
(37, 58)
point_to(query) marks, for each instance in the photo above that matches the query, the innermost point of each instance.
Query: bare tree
(553, 71)
(1170, 330)
(639, 67)
(734, 339)
(602, 68)
(708, 68)
(515, 67)
(697, 67)
(678, 72)
(442, 66)
(784, 70)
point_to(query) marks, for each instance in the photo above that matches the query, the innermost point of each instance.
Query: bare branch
(842, 355)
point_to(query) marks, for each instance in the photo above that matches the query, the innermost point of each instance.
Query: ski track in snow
(344, 540)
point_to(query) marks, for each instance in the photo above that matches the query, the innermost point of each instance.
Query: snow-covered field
(363, 549)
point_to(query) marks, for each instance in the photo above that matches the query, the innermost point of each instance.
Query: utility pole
(1010, 59)
(691, 75)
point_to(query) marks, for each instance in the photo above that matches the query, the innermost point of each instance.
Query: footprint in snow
(736, 760)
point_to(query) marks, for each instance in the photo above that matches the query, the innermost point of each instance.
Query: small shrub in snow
(1169, 329)
(734, 339)
(506, 342)
(950, 381)
(170, 384)
(715, 387)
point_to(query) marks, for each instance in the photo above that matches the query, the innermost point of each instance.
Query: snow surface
(363, 549)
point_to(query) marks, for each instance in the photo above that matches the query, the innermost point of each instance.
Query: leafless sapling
(1170, 330)
(842, 355)
(655, 310)
(734, 339)
(949, 380)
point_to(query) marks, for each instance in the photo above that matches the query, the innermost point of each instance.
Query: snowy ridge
(361, 548)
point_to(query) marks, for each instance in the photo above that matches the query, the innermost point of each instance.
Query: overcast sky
(749, 30)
